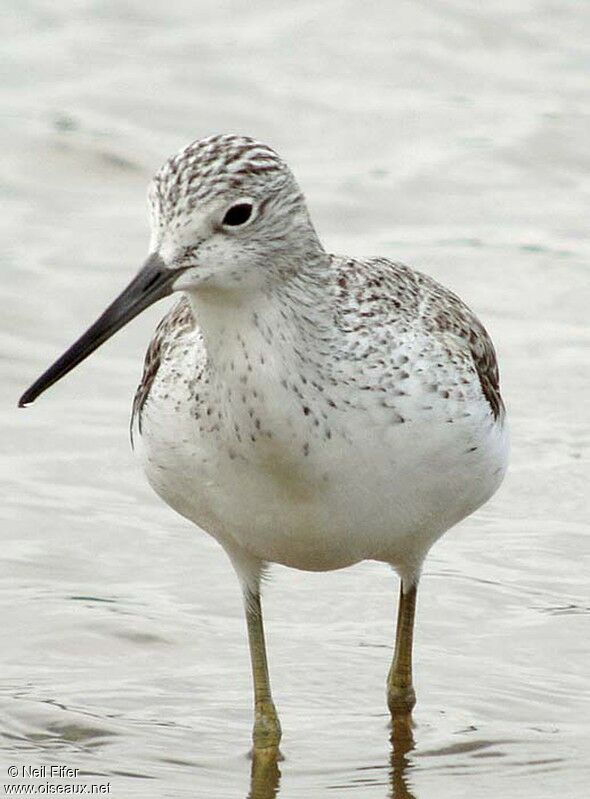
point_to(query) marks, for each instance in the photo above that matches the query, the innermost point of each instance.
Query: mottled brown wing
(447, 313)
(178, 319)
(486, 365)
(378, 291)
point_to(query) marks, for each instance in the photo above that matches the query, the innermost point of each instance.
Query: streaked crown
(215, 167)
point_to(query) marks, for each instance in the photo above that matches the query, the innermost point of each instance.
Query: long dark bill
(151, 283)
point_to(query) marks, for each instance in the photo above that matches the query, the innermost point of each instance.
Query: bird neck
(267, 331)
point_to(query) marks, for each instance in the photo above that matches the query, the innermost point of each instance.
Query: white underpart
(357, 485)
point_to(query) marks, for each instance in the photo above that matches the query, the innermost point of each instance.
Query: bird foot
(401, 700)
(266, 734)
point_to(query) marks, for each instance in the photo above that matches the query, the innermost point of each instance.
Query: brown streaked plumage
(177, 321)
(377, 294)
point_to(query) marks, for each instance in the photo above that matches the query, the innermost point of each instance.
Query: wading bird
(302, 408)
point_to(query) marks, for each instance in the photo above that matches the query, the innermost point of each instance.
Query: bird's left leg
(401, 697)
(267, 729)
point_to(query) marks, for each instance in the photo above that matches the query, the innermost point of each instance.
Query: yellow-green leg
(400, 691)
(267, 729)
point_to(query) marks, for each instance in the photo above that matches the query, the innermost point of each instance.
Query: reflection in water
(265, 775)
(402, 743)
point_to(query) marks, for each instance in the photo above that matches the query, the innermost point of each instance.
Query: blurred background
(449, 134)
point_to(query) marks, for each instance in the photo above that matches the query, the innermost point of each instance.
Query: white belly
(371, 490)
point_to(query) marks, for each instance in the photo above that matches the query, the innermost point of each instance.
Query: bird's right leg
(400, 690)
(267, 729)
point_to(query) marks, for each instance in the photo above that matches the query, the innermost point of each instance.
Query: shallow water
(443, 134)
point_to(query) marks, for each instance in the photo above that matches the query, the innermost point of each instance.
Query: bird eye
(238, 214)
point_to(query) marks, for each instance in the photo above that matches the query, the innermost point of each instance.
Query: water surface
(448, 135)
